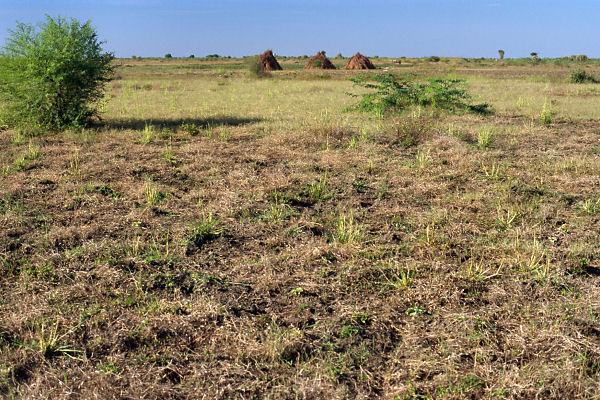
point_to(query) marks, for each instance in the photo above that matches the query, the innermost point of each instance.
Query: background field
(222, 236)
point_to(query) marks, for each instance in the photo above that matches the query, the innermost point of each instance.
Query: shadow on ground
(202, 123)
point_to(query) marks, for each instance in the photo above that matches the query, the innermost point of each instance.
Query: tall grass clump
(547, 115)
(389, 94)
(52, 76)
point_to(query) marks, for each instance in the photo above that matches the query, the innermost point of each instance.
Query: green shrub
(581, 76)
(53, 77)
(168, 55)
(391, 94)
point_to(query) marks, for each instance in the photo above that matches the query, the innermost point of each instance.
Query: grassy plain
(222, 236)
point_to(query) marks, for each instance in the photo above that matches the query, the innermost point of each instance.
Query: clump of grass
(204, 230)
(169, 156)
(411, 131)
(485, 138)
(102, 189)
(317, 191)
(546, 116)
(190, 128)
(582, 76)
(24, 161)
(108, 368)
(152, 194)
(148, 134)
(347, 230)
(422, 159)
(591, 206)
(506, 217)
(18, 138)
(75, 162)
(355, 140)
(493, 171)
(278, 210)
(49, 344)
(476, 271)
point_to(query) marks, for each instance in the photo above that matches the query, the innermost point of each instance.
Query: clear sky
(462, 28)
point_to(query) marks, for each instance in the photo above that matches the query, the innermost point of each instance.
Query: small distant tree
(501, 54)
(192, 56)
(53, 76)
(534, 57)
(168, 55)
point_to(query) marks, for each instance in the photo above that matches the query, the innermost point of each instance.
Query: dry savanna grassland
(220, 236)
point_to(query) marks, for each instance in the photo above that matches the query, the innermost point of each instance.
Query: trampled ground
(219, 236)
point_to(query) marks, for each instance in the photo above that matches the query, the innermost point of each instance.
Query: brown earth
(358, 61)
(319, 61)
(268, 62)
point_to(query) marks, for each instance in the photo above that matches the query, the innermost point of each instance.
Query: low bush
(391, 94)
(581, 76)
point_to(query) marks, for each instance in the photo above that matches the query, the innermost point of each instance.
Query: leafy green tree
(53, 77)
(387, 93)
(501, 54)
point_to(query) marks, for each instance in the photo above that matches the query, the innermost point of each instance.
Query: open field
(222, 236)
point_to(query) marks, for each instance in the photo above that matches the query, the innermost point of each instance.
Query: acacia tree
(53, 76)
(534, 57)
(501, 54)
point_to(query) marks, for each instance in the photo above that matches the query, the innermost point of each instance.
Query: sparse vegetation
(546, 116)
(485, 137)
(244, 238)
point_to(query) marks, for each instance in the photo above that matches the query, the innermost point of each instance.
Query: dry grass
(222, 237)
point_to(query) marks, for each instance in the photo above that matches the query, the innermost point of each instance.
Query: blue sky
(462, 28)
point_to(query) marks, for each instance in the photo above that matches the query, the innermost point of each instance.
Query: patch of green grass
(204, 230)
(102, 189)
(108, 368)
(414, 311)
(50, 343)
(25, 160)
(347, 229)
(169, 157)
(148, 134)
(485, 138)
(190, 128)
(547, 115)
(590, 206)
(422, 159)
(317, 191)
(152, 194)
